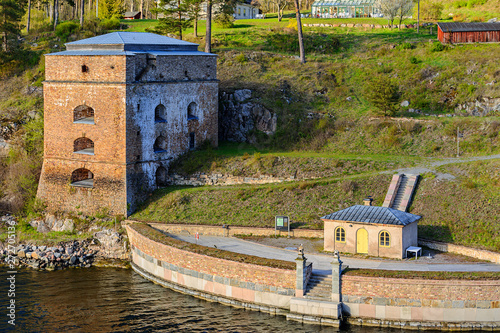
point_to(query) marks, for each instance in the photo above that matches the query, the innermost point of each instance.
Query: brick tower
(118, 108)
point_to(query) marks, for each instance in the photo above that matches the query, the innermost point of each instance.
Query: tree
(281, 4)
(431, 10)
(299, 31)
(112, 8)
(389, 8)
(208, 33)
(82, 11)
(195, 8)
(175, 16)
(405, 8)
(11, 13)
(224, 14)
(383, 94)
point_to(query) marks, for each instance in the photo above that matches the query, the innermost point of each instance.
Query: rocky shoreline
(106, 248)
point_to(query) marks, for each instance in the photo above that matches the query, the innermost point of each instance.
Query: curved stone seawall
(271, 288)
(455, 304)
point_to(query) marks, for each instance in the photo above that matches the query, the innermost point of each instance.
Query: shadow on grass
(435, 233)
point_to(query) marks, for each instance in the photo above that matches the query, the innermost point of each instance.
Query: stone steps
(319, 287)
(400, 192)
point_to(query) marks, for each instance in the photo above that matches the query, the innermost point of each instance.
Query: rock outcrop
(240, 114)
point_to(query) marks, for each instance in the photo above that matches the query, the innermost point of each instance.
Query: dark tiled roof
(372, 214)
(473, 26)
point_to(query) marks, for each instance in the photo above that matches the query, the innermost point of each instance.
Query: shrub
(406, 46)
(241, 58)
(430, 10)
(437, 47)
(224, 21)
(110, 24)
(383, 94)
(63, 30)
(414, 60)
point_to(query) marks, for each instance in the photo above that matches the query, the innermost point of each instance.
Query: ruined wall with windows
(113, 124)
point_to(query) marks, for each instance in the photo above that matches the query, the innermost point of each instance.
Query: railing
(309, 270)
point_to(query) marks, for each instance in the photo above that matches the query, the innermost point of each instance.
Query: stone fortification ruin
(118, 108)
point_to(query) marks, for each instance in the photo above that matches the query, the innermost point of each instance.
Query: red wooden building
(475, 32)
(132, 15)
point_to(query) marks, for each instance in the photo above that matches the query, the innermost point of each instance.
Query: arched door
(362, 241)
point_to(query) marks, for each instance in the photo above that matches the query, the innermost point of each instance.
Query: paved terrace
(321, 263)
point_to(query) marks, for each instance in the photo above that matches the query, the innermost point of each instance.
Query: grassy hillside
(463, 211)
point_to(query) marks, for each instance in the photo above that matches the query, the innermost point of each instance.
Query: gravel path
(431, 165)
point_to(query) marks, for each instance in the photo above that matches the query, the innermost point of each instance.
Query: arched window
(160, 144)
(340, 235)
(83, 114)
(161, 176)
(82, 178)
(160, 114)
(83, 146)
(384, 239)
(192, 111)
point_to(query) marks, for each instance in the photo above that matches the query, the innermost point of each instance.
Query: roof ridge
(120, 36)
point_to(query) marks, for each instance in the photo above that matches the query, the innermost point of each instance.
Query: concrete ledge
(315, 308)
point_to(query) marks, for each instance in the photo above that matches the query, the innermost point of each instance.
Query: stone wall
(421, 300)
(200, 179)
(267, 286)
(463, 250)
(232, 230)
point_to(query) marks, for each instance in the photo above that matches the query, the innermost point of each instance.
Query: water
(116, 300)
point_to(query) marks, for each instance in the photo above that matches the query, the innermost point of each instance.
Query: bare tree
(299, 31)
(29, 17)
(55, 14)
(405, 8)
(281, 4)
(389, 8)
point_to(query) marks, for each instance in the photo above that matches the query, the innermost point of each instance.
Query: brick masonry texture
(123, 92)
(232, 230)
(223, 270)
(421, 293)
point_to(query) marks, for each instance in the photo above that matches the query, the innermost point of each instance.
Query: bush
(414, 60)
(437, 47)
(383, 94)
(430, 10)
(63, 30)
(224, 21)
(110, 24)
(406, 46)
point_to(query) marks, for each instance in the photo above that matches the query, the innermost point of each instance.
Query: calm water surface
(115, 300)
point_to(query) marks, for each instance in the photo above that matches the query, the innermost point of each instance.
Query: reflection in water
(115, 300)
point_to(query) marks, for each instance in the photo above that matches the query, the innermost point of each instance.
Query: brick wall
(233, 230)
(424, 293)
(269, 276)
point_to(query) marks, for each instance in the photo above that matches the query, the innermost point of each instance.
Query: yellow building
(376, 231)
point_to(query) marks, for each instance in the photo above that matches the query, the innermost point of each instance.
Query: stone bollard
(336, 278)
(301, 273)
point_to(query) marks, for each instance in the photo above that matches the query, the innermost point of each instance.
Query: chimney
(368, 201)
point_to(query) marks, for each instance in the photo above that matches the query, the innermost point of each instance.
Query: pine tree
(11, 13)
(176, 16)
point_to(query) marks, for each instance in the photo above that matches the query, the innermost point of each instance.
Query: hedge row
(157, 236)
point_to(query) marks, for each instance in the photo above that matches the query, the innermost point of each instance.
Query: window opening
(191, 140)
(85, 69)
(160, 144)
(82, 178)
(161, 176)
(83, 114)
(191, 111)
(83, 146)
(384, 239)
(340, 235)
(160, 114)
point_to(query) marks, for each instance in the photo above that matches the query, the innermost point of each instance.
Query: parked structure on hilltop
(118, 108)
(474, 32)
